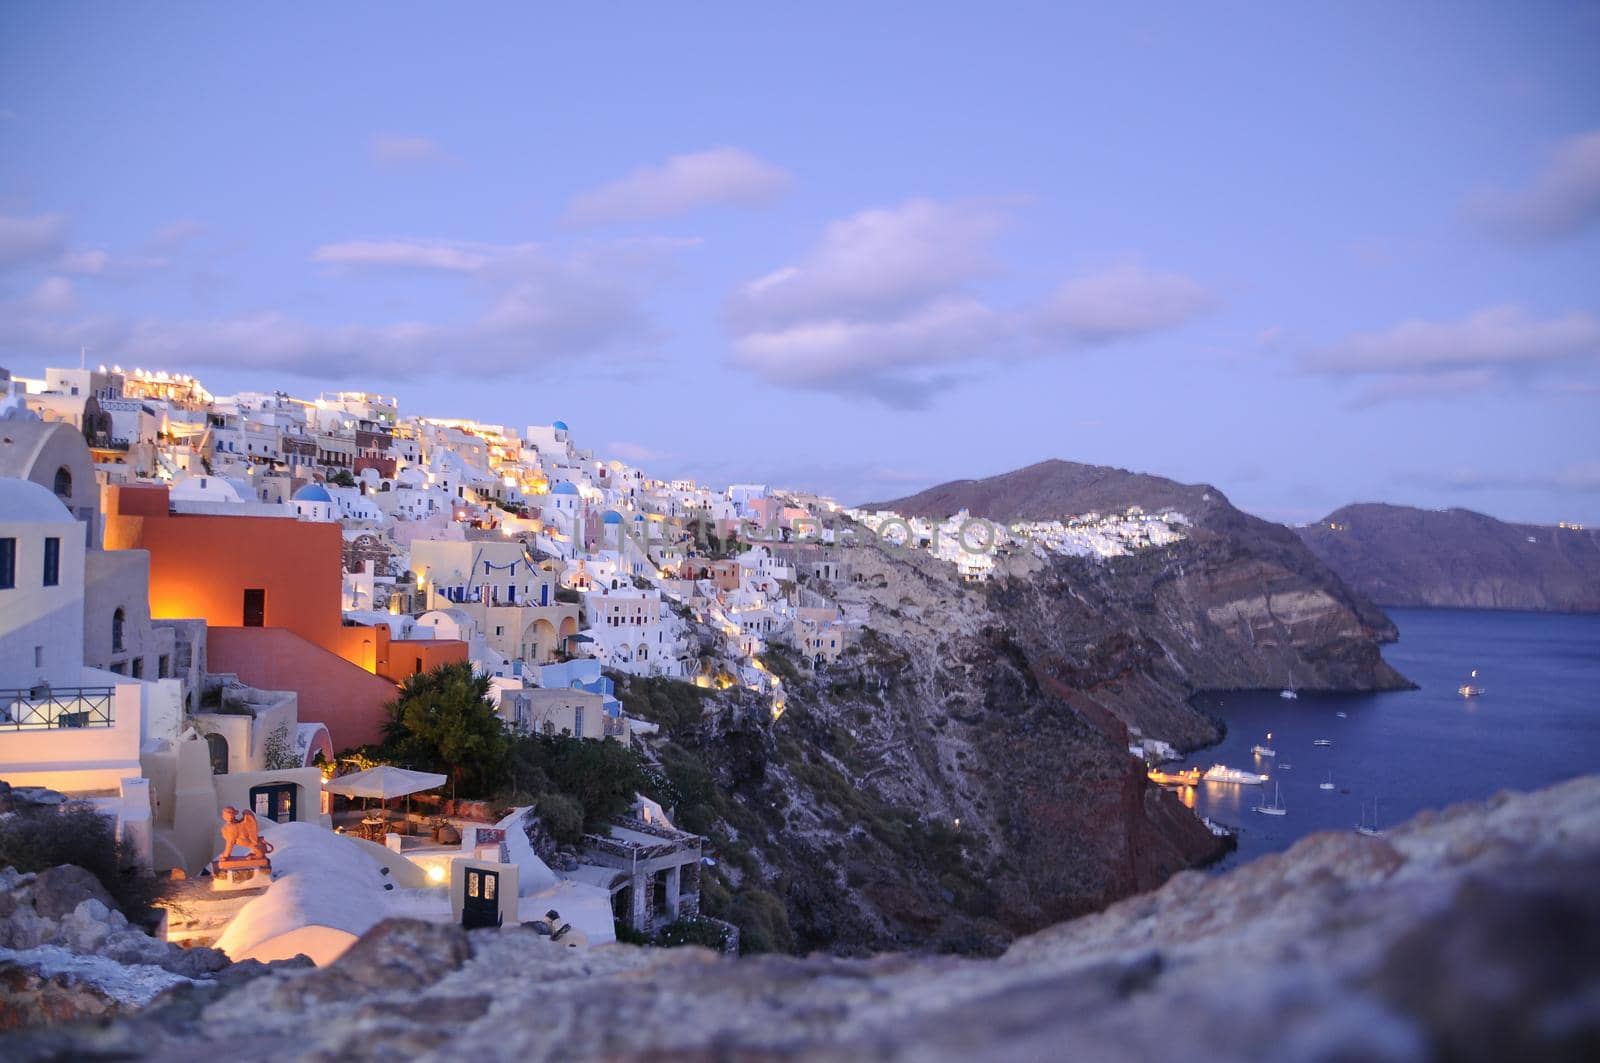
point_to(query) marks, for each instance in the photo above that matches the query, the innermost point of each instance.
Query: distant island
(1402, 556)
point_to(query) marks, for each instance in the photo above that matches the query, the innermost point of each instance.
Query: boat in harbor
(1288, 695)
(1469, 689)
(1342, 715)
(1236, 776)
(1326, 784)
(1286, 766)
(1264, 750)
(1190, 777)
(1323, 742)
(1276, 808)
(1363, 827)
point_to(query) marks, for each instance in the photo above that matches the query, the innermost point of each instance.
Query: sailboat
(1276, 808)
(1469, 689)
(1264, 750)
(1328, 785)
(1362, 828)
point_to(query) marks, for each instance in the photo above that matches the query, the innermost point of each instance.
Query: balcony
(58, 708)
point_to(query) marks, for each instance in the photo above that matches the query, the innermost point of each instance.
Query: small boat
(1276, 808)
(1222, 774)
(1362, 827)
(1323, 742)
(1286, 767)
(1470, 689)
(1342, 715)
(1264, 750)
(1287, 695)
(1328, 784)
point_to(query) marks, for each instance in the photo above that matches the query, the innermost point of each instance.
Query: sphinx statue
(240, 830)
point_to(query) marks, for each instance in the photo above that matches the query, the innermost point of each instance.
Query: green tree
(442, 721)
(280, 753)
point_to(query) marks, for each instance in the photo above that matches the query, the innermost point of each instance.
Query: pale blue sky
(1311, 255)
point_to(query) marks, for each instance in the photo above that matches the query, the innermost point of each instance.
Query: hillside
(1471, 934)
(1402, 556)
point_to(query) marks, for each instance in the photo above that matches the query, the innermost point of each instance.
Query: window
(275, 801)
(163, 667)
(577, 722)
(138, 668)
(52, 561)
(63, 486)
(8, 563)
(118, 621)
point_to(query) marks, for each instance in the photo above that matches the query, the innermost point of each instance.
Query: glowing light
(436, 873)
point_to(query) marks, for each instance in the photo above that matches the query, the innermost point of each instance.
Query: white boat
(1264, 750)
(1288, 694)
(1276, 808)
(1286, 766)
(1362, 828)
(1327, 784)
(1469, 689)
(1323, 742)
(1235, 776)
(1342, 715)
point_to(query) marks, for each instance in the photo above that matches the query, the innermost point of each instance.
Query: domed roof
(560, 425)
(26, 502)
(564, 488)
(312, 493)
(612, 517)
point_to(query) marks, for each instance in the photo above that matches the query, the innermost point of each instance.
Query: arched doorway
(218, 747)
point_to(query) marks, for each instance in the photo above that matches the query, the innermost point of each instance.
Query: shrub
(562, 817)
(36, 839)
(692, 930)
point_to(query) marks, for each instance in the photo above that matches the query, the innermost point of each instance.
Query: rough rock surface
(1468, 934)
(1398, 555)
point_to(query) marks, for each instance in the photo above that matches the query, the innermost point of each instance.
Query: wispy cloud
(622, 450)
(1124, 301)
(537, 304)
(1561, 199)
(719, 177)
(1577, 478)
(888, 306)
(399, 151)
(1499, 337)
(27, 240)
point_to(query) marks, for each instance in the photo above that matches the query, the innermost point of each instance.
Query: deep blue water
(1537, 723)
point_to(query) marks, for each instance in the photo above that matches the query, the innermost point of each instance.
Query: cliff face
(1471, 934)
(1456, 558)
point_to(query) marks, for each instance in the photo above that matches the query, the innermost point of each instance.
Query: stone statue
(240, 829)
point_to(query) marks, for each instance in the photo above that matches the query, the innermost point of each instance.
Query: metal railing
(46, 708)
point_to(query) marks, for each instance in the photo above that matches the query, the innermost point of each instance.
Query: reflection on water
(1537, 723)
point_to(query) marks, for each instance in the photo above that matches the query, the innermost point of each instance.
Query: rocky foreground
(1473, 933)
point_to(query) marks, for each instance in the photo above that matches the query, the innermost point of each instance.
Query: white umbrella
(385, 781)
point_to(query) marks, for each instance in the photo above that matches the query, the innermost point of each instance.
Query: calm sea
(1538, 722)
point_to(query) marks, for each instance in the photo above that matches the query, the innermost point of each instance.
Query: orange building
(268, 589)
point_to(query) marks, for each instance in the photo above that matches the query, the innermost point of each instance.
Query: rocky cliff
(962, 774)
(1469, 934)
(1457, 558)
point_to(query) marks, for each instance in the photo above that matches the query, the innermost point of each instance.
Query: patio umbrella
(386, 781)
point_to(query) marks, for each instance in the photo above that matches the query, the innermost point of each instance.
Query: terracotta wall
(403, 655)
(331, 690)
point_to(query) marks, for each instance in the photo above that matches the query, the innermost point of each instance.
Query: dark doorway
(481, 905)
(217, 746)
(275, 801)
(255, 606)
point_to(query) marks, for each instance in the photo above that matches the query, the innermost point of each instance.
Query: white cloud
(25, 240)
(396, 150)
(1562, 198)
(886, 305)
(721, 176)
(1124, 301)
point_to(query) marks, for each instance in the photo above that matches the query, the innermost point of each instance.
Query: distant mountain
(1398, 555)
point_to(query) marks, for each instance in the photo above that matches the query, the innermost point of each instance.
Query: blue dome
(564, 488)
(312, 493)
(562, 425)
(612, 517)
